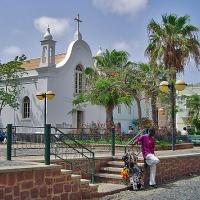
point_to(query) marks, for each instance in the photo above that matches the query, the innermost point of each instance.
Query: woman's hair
(152, 131)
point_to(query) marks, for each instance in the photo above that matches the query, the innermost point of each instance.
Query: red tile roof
(35, 62)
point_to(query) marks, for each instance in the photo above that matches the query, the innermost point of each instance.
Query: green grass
(117, 142)
(102, 141)
(162, 142)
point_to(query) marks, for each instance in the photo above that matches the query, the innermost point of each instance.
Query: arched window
(78, 79)
(26, 107)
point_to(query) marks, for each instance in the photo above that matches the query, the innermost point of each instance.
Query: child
(135, 173)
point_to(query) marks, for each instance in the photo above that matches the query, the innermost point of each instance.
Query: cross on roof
(78, 21)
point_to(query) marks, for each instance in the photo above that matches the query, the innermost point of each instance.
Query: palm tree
(105, 83)
(173, 43)
(110, 66)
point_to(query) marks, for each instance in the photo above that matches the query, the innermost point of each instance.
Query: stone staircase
(108, 181)
(82, 188)
(111, 173)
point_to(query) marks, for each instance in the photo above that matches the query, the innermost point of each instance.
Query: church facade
(62, 74)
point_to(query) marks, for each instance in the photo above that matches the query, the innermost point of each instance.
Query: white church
(62, 74)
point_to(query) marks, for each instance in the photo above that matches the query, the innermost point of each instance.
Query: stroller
(135, 174)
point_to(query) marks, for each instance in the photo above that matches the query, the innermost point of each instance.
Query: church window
(26, 107)
(129, 110)
(119, 109)
(78, 79)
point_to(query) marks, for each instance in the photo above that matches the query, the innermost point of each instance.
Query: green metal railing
(65, 147)
(113, 141)
(25, 141)
(40, 141)
(129, 143)
(99, 141)
(9, 141)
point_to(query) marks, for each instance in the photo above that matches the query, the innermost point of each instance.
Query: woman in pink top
(148, 146)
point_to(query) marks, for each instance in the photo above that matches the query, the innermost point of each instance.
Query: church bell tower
(48, 50)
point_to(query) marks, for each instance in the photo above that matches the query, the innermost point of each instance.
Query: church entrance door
(79, 119)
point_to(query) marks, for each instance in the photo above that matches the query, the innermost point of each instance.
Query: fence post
(47, 140)
(113, 141)
(93, 168)
(9, 141)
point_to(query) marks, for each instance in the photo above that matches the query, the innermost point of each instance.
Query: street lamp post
(165, 87)
(47, 127)
(48, 95)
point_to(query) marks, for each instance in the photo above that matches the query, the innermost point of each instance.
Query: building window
(119, 109)
(26, 107)
(78, 79)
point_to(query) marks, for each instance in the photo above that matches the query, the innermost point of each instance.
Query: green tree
(10, 73)
(173, 43)
(133, 77)
(105, 83)
(193, 104)
(151, 77)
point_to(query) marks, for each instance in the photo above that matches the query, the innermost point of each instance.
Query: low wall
(173, 167)
(177, 146)
(36, 181)
(158, 148)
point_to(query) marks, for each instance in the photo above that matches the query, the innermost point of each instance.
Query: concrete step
(85, 181)
(75, 176)
(93, 187)
(65, 171)
(89, 190)
(105, 189)
(108, 178)
(112, 170)
(104, 175)
(120, 164)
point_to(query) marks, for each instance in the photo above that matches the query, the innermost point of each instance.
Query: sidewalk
(118, 154)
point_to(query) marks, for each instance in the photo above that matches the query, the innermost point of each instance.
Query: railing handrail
(80, 152)
(19, 126)
(81, 128)
(133, 139)
(79, 144)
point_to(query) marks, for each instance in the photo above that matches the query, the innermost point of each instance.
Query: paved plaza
(186, 189)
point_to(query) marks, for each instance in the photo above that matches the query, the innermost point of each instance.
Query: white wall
(60, 79)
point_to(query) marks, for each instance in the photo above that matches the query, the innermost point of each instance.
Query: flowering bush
(124, 174)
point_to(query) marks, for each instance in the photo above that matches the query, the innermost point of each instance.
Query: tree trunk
(139, 110)
(154, 109)
(109, 116)
(1, 107)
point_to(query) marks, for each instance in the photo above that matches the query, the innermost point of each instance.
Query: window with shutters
(78, 79)
(26, 107)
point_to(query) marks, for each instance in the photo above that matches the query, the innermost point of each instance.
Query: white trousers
(152, 161)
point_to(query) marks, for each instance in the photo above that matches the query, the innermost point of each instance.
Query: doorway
(79, 119)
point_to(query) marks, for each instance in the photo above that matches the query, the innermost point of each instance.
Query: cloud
(122, 7)
(58, 26)
(121, 46)
(12, 51)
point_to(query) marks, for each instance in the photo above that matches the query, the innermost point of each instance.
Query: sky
(119, 24)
